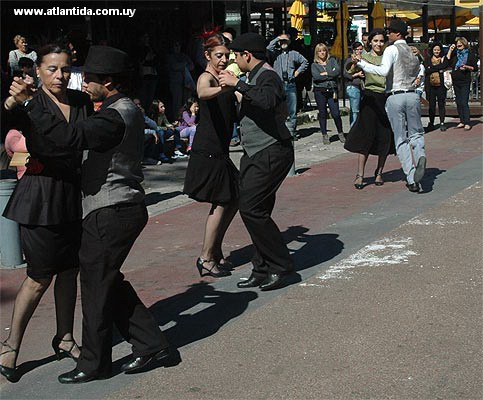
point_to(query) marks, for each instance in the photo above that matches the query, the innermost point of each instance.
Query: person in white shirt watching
(403, 75)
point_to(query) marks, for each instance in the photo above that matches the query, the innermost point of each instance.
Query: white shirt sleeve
(388, 60)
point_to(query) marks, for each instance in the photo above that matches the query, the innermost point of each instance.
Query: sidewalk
(222, 332)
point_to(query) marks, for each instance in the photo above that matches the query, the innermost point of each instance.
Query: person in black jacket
(434, 66)
(463, 63)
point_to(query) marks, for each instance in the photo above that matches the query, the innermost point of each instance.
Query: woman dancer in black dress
(211, 176)
(371, 132)
(47, 205)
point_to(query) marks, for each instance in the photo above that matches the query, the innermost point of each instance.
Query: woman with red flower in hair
(211, 176)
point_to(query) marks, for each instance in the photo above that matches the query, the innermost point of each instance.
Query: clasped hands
(20, 90)
(227, 78)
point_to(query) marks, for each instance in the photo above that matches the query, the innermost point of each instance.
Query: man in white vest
(403, 73)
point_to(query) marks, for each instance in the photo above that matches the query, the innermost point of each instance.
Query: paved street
(386, 301)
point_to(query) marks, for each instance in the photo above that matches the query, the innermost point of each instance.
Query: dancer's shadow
(306, 132)
(194, 315)
(28, 366)
(156, 197)
(316, 249)
(430, 177)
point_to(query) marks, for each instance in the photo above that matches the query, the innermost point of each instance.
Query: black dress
(211, 175)
(46, 201)
(371, 133)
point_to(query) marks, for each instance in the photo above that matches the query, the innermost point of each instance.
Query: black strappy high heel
(209, 271)
(9, 373)
(376, 174)
(359, 185)
(61, 352)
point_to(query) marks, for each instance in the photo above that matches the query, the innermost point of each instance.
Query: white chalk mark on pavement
(387, 251)
(438, 221)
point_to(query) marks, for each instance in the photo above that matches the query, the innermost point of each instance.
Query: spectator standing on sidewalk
(402, 71)
(268, 156)
(114, 215)
(325, 72)
(354, 83)
(434, 66)
(289, 64)
(22, 50)
(463, 62)
(211, 176)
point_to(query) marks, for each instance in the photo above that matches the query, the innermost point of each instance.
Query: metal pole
(453, 23)
(370, 20)
(285, 16)
(342, 34)
(425, 22)
(481, 53)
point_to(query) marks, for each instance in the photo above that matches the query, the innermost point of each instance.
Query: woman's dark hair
(355, 45)
(373, 33)
(153, 111)
(186, 107)
(436, 44)
(51, 48)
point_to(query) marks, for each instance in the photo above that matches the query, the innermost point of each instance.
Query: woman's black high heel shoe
(61, 352)
(359, 185)
(9, 373)
(209, 271)
(376, 174)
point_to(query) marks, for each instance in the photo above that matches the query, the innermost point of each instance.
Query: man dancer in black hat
(268, 156)
(403, 106)
(114, 214)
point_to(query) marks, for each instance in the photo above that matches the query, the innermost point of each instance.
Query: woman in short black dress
(211, 176)
(47, 205)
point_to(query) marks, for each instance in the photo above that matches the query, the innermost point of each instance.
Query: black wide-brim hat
(252, 42)
(106, 60)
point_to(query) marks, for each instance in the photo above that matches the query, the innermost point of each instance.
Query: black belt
(402, 91)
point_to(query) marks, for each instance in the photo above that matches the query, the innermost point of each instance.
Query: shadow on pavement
(28, 366)
(429, 178)
(316, 250)
(156, 197)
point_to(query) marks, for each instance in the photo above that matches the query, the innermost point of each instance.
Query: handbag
(448, 81)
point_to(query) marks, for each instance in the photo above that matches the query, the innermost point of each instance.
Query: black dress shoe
(273, 281)
(77, 376)
(138, 363)
(413, 187)
(252, 281)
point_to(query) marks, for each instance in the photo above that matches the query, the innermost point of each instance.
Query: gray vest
(115, 176)
(405, 70)
(260, 128)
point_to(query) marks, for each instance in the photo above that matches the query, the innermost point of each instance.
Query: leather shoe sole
(420, 169)
(139, 363)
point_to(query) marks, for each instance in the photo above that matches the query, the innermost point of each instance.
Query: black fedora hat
(398, 26)
(106, 60)
(252, 42)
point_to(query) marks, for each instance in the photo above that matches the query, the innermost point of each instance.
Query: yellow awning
(473, 22)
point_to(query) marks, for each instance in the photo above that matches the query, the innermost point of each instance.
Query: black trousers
(436, 93)
(462, 98)
(107, 298)
(260, 177)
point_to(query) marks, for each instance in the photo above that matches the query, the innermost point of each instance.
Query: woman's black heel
(60, 352)
(209, 271)
(376, 175)
(9, 373)
(359, 185)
